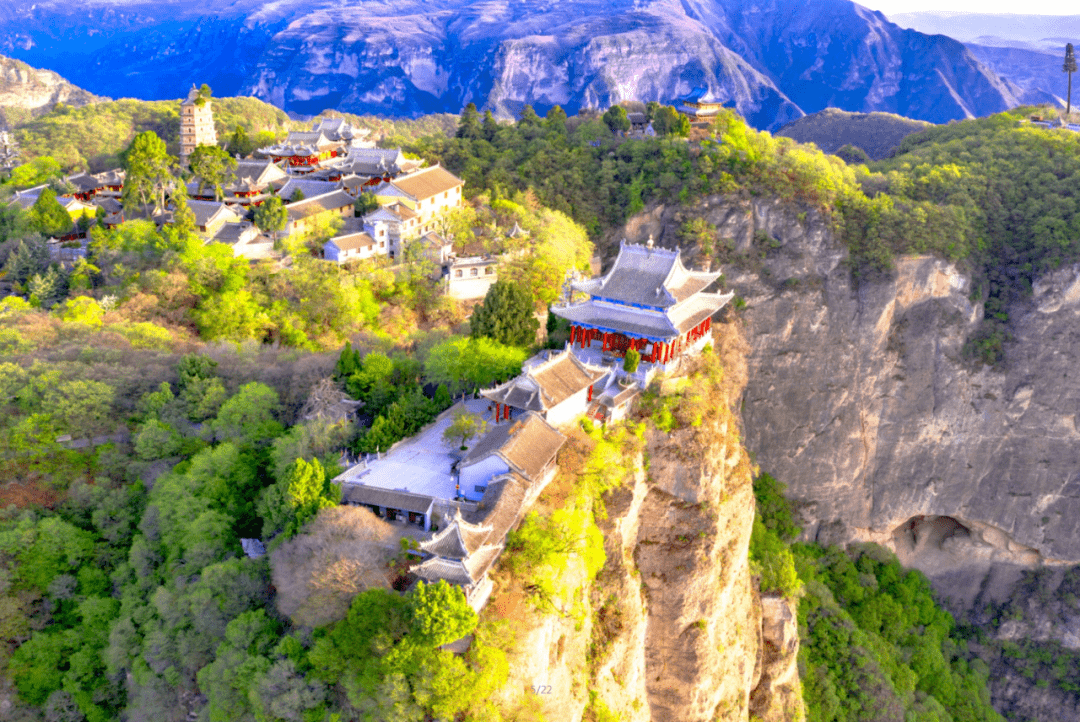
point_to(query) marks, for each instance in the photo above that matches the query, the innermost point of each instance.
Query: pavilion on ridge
(648, 302)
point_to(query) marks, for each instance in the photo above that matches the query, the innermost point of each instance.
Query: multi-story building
(196, 124)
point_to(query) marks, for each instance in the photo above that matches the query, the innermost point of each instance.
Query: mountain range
(774, 60)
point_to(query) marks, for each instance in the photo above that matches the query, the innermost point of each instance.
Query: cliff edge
(672, 627)
(860, 400)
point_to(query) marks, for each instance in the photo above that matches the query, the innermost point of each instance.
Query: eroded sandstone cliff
(860, 400)
(673, 627)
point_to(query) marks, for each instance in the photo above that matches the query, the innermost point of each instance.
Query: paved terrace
(421, 463)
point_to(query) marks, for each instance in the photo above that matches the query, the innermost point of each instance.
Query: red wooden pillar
(590, 394)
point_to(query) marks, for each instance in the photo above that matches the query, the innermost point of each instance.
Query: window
(488, 271)
(474, 271)
(457, 273)
(444, 195)
(382, 244)
(382, 232)
(479, 489)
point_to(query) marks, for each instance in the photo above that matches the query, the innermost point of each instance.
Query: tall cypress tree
(469, 125)
(506, 315)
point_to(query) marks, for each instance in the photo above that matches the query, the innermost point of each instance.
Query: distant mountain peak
(27, 92)
(776, 60)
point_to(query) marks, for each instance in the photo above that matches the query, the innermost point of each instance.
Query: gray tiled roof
(647, 277)
(640, 323)
(527, 445)
(319, 204)
(632, 322)
(310, 188)
(205, 210)
(502, 505)
(546, 385)
(463, 572)
(377, 496)
(457, 540)
(687, 315)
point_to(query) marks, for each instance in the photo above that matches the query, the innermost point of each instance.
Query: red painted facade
(618, 344)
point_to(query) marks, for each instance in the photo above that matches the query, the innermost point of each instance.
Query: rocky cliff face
(675, 629)
(859, 400)
(26, 91)
(773, 60)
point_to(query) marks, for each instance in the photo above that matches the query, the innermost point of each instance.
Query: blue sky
(1045, 7)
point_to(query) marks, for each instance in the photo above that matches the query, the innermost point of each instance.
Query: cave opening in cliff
(926, 533)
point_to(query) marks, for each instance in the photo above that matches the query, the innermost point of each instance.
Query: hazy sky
(1045, 7)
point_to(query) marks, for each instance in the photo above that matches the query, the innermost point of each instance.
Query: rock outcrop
(772, 60)
(860, 400)
(674, 628)
(26, 92)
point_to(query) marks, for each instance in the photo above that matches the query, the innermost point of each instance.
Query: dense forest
(155, 411)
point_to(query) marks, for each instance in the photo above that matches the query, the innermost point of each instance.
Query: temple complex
(306, 151)
(648, 302)
(196, 124)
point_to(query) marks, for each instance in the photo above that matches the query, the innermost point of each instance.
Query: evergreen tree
(668, 121)
(239, 142)
(183, 224)
(271, 216)
(469, 125)
(529, 117)
(211, 165)
(296, 498)
(490, 127)
(556, 119)
(149, 170)
(365, 203)
(47, 289)
(616, 119)
(30, 258)
(506, 315)
(48, 216)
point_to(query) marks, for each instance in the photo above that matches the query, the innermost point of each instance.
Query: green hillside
(877, 134)
(123, 586)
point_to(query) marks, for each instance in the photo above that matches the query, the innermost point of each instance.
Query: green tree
(472, 363)
(239, 142)
(248, 417)
(469, 125)
(556, 119)
(211, 166)
(271, 216)
(440, 613)
(853, 155)
(39, 170)
(149, 171)
(670, 122)
(631, 361)
(506, 315)
(296, 498)
(30, 258)
(464, 426)
(529, 118)
(616, 119)
(365, 203)
(47, 216)
(45, 290)
(490, 126)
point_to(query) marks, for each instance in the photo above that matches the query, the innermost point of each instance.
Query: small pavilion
(649, 301)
